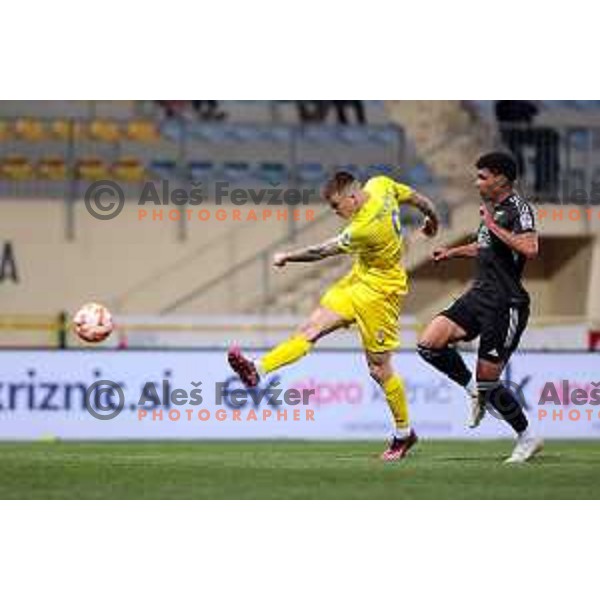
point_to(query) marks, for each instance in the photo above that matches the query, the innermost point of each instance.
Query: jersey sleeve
(523, 219)
(384, 185)
(350, 240)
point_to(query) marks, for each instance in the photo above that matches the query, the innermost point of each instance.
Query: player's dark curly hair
(337, 183)
(499, 163)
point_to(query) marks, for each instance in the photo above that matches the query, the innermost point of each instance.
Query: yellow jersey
(374, 236)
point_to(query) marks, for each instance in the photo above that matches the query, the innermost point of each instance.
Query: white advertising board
(42, 393)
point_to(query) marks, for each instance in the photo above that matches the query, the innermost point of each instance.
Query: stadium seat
(280, 134)
(163, 168)
(319, 135)
(379, 169)
(16, 167)
(384, 136)
(243, 134)
(5, 131)
(236, 171)
(53, 168)
(104, 130)
(174, 130)
(353, 135)
(29, 129)
(142, 131)
(91, 169)
(214, 134)
(419, 175)
(272, 172)
(128, 168)
(201, 170)
(63, 129)
(311, 172)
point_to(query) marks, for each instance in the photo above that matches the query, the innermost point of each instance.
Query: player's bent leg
(433, 348)
(381, 370)
(321, 322)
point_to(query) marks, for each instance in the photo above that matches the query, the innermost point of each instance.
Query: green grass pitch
(304, 470)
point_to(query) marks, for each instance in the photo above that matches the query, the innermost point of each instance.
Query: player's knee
(310, 330)
(487, 371)
(429, 340)
(377, 372)
(428, 352)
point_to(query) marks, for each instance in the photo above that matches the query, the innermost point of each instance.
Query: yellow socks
(395, 395)
(287, 352)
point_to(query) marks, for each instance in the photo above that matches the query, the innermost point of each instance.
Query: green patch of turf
(278, 469)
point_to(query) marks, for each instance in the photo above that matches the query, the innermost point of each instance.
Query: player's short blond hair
(340, 183)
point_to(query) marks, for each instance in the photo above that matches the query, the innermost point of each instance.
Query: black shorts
(498, 323)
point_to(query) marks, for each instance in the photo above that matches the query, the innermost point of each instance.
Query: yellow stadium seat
(52, 168)
(92, 169)
(128, 168)
(62, 129)
(142, 131)
(5, 131)
(30, 129)
(16, 167)
(104, 131)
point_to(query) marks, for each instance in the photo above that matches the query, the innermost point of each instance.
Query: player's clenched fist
(429, 228)
(279, 259)
(440, 254)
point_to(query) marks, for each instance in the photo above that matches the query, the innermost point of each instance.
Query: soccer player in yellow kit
(370, 295)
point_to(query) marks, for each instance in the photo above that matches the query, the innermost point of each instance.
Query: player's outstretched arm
(465, 251)
(328, 248)
(426, 207)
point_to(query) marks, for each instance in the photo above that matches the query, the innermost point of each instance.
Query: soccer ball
(93, 322)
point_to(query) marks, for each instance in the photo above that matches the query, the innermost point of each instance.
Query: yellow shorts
(375, 313)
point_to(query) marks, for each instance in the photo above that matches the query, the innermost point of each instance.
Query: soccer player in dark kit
(496, 306)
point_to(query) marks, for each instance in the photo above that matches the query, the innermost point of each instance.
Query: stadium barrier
(43, 396)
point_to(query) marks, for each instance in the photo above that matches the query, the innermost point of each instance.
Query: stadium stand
(431, 145)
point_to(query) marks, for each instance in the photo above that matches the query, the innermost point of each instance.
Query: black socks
(448, 361)
(502, 402)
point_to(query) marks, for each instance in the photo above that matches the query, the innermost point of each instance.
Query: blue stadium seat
(384, 136)
(319, 134)
(201, 170)
(354, 135)
(380, 169)
(244, 134)
(272, 172)
(278, 134)
(311, 172)
(172, 130)
(236, 171)
(163, 168)
(212, 133)
(419, 175)
(578, 139)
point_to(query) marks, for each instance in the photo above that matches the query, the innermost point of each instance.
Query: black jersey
(499, 268)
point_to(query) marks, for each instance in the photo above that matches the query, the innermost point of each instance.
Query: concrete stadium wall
(141, 265)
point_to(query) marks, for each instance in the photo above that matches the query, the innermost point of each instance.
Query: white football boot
(476, 410)
(526, 447)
